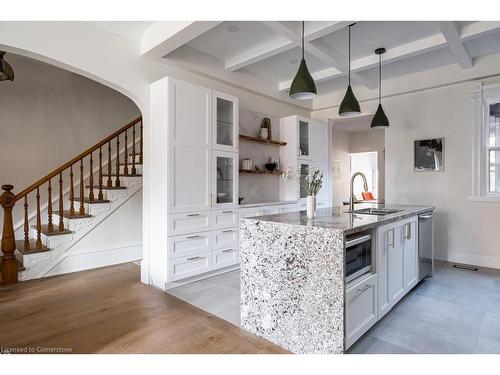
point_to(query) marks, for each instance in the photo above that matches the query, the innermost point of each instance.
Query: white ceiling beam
(259, 53)
(451, 33)
(164, 37)
(319, 76)
(319, 49)
(287, 40)
(478, 29)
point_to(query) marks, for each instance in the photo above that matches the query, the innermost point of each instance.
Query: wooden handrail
(76, 159)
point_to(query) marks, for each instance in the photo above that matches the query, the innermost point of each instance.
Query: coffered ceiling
(265, 54)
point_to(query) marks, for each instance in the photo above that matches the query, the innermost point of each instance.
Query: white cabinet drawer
(225, 238)
(248, 213)
(224, 257)
(189, 244)
(189, 222)
(361, 308)
(181, 268)
(224, 219)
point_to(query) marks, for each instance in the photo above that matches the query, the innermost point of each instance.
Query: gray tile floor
(457, 311)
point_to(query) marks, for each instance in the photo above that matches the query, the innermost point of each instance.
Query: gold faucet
(351, 191)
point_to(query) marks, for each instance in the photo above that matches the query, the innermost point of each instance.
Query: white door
(226, 122)
(395, 266)
(410, 251)
(189, 142)
(224, 179)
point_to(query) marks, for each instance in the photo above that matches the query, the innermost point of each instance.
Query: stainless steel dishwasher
(426, 244)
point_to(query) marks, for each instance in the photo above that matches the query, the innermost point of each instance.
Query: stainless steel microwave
(358, 258)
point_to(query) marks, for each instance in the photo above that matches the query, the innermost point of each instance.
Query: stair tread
(123, 175)
(76, 215)
(130, 164)
(32, 250)
(20, 266)
(87, 200)
(104, 187)
(44, 230)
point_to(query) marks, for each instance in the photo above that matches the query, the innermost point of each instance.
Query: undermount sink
(374, 211)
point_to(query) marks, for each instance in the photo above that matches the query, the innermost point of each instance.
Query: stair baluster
(134, 171)
(117, 180)
(50, 226)
(9, 263)
(91, 179)
(110, 182)
(82, 206)
(38, 244)
(61, 204)
(71, 193)
(141, 147)
(100, 195)
(27, 245)
(125, 169)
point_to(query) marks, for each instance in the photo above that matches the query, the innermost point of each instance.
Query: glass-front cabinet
(225, 124)
(225, 179)
(304, 139)
(304, 180)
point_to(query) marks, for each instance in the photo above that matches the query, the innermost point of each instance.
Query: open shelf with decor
(261, 171)
(247, 138)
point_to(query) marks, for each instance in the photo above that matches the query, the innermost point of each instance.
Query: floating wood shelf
(247, 138)
(261, 172)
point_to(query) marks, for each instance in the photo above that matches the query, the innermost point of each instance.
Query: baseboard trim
(175, 284)
(96, 259)
(484, 261)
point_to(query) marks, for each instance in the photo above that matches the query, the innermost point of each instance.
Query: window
(486, 174)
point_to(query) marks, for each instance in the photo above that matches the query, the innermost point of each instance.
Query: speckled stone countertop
(292, 275)
(347, 222)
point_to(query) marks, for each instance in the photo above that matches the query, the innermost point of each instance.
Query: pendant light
(303, 86)
(380, 120)
(349, 105)
(6, 71)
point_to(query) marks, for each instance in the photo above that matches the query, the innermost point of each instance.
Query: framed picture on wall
(429, 155)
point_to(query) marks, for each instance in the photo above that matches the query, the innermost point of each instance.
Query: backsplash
(252, 187)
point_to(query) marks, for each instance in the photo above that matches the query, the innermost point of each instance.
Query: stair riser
(111, 195)
(138, 169)
(51, 241)
(71, 224)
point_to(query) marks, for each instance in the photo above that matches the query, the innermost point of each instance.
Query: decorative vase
(263, 133)
(311, 206)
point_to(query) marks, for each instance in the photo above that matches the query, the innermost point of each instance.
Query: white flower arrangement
(311, 182)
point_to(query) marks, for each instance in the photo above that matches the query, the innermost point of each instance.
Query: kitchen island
(293, 288)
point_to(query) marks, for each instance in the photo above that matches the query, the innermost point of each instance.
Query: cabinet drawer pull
(227, 212)
(193, 258)
(228, 251)
(408, 231)
(228, 231)
(363, 289)
(192, 237)
(192, 215)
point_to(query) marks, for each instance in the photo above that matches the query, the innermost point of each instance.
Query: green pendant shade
(303, 86)
(380, 120)
(350, 105)
(6, 71)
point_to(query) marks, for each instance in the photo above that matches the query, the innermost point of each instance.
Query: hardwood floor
(108, 310)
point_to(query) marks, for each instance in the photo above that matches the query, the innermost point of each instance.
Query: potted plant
(311, 181)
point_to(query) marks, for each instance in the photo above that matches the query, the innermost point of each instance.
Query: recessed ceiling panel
(230, 39)
(283, 67)
(367, 36)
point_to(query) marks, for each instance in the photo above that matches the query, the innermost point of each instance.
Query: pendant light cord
(379, 78)
(349, 55)
(302, 40)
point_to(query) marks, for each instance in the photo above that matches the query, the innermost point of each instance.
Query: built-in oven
(358, 260)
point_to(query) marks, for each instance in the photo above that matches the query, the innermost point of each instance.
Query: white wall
(466, 231)
(340, 152)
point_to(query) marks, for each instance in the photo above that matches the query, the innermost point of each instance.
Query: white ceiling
(266, 54)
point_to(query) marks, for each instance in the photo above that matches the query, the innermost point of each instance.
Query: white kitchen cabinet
(188, 266)
(319, 141)
(189, 143)
(225, 180)
(225, 238)
(225, 219)
(397, 262)
(189, 222)
(225, 122)
(361, 308)
(225, 257)
(410, 254)
(189, 244)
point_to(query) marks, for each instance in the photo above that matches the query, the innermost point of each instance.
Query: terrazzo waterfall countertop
(292, 274)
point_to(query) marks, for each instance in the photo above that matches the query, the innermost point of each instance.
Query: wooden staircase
(104, 176)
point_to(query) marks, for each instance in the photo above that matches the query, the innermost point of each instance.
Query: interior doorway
(366, 163)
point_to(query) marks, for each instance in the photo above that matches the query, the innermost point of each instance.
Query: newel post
(9, 263)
